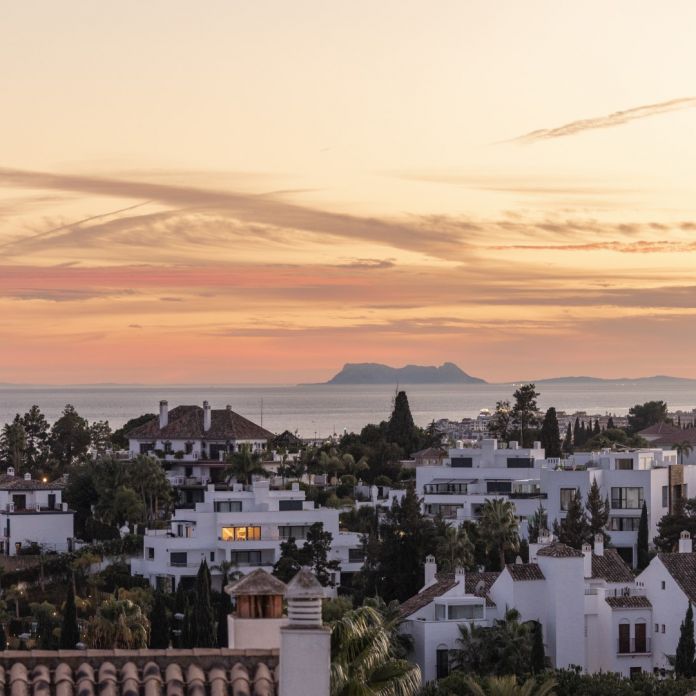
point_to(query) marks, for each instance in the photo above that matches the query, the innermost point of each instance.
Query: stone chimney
(599, 544)
(587, 555)
(430, 571)
(685, 543)
(207, 417)
(164, 414)
(305, 643)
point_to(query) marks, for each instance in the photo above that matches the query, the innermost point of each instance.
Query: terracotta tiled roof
(660, 429)
(559, 550)
(682, 567)
(429, 453)
(524, 572)
(478, 584)
(629, 602)
(19, 483)
(186, 422)
(669, 439)
(130, 672)
(611, 567)
(258, 582)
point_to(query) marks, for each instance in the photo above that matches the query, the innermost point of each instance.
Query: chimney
(544, 539)
(305, 644)
(685, 543)
(460, 579)
(430, 571)
(206, 416)
(513, 445)
(10, 471)
(27, 476)
(164, 414)
(537, 445)
(599, 544)
(587, 557)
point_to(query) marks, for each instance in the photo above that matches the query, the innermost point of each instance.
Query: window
(447, 511)
(241, 533)
(294, 531)
(657, 628)
(184, 530)
(663, 585)
(246, 557)
(498, 486)
(520, 463)
(188, 447)
(567, 494)
(146, 447)
(663, 628)
(442, 662)
(665, 496)
(356, 555)
(625, 638)
(212, 556)
(447, 488)
(465, 611)
(228, 506)
(150, 553)
(626, 498)
(462, 462)
(178, 558)
(290, 505)
(640, 640)
(168, 447)
(624, 464)
(624, 524)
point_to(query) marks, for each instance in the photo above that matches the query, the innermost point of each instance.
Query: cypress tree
(538, 656)
(610, 423)
(401, 429)
(224, 610)
(596, 430)
(576, 433)
(3, 637)
(568, 442)
(69, 632)
(643, 551)
(159, 621)
(203, 633)
(597, 512)
(574, 529)
(550, 434)
(686, 648)
(180, 599)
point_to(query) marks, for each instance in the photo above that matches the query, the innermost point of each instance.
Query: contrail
(618, 118)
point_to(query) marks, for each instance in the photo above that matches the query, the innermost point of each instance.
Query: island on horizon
(376, 373)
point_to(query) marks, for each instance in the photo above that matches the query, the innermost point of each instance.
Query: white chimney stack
(587, 557)
(10, 471)
(430, 571)
(513, 445)
(27, 476)
(206, 416)
(685, 543)
(460, 579)
(164, 414)
(599, 544)
(537, 445)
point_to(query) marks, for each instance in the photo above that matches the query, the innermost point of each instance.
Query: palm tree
(118, 623)
(363, 661)
(498, 527)
(684, 449)
(508, 686)
(15, 594)
(454, 549)
(244, 465)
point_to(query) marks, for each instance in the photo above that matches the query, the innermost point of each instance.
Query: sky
(233, 191)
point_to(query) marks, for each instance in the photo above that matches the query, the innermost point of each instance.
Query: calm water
(326, 409)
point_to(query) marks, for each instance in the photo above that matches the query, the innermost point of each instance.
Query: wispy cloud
(617, 118)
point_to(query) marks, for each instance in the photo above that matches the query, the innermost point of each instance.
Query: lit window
(241, 533)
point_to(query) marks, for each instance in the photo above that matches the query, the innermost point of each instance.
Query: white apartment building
(458, 488)
(626, 479)
(32, 512)
(243, 526)
(592, 611)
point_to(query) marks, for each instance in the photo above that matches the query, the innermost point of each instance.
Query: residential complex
(242, 526)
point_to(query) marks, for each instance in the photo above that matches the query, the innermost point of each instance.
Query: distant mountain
(374, 373)
(593, 380)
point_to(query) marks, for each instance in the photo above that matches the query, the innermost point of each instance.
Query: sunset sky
(259, 191)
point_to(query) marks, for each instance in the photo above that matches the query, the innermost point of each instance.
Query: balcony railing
(633, 647)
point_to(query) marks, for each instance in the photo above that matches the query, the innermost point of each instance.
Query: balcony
(633, 646)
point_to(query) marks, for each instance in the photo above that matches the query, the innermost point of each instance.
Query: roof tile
(682, 567)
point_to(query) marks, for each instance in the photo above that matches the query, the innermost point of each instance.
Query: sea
(320, 410)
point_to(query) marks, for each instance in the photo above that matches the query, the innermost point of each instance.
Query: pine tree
(159, 621)
(289, 561)
(202, 612)
(70, 632)
(535, 523)
(550, 434)
(643, 550)
(568, 442)
(574, 530)
(538, 656)
(686, 648)
(597, 512)
(315, 553)
(524, 411)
